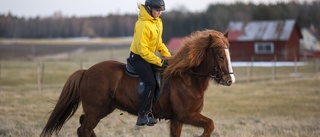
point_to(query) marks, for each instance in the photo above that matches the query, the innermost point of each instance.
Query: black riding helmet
(156, 4)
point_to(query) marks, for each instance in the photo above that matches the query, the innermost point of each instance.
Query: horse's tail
(66, 106)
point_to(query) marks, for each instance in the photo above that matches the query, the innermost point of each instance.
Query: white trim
(265, 49)
(233, 79)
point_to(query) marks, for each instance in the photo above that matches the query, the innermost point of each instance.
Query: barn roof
(278, 30)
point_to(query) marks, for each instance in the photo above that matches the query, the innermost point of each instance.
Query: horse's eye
(221, 57)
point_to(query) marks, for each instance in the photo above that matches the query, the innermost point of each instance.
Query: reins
(204, 75)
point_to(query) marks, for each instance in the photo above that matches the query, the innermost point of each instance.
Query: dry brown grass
(279, 108)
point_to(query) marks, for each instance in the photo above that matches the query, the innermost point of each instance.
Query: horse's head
(204, 53)
(218, 47)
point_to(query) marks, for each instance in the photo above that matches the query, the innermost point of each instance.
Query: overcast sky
(32, 8)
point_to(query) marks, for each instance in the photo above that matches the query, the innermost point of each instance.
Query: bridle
(218, 73)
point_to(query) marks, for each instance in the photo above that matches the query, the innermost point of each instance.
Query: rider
(147, 39)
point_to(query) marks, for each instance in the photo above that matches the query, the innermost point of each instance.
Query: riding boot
(146, 119)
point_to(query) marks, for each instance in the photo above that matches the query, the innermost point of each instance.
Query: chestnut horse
(106, 86)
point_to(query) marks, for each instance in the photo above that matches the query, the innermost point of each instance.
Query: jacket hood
(144, 15)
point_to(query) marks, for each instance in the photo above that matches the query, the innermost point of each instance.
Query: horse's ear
(210, 38)
(226, 34)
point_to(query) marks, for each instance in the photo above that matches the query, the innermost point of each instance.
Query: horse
(105, 86)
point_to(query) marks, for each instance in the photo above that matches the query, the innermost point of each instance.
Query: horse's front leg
(175, 128)
(199, 120)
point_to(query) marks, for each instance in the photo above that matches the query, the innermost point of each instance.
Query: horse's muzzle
(227, 80)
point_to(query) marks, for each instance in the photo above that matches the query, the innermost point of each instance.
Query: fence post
(39, 78)
(111, 52)
(274, 68)
(40, 71)
(248, 73)
(249, 70)
(81, 64)
(316, 69)
(295, 65)
(33, 51)
(42, 74)
(0, 74)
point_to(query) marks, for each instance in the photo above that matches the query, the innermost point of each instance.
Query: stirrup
(151, 119)
(146, 119)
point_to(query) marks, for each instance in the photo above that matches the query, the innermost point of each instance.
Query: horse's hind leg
(87, 125)
(91, 118)
(175, 128)
(81, 119)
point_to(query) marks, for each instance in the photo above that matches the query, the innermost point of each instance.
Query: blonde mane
(193, 51)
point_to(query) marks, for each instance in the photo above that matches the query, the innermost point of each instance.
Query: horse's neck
(194, 81)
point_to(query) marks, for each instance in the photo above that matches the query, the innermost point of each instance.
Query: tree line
(177, 22)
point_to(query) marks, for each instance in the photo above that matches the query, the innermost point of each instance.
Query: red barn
(174, 44)
(264, 40)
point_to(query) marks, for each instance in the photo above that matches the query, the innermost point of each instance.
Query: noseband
(217, 69)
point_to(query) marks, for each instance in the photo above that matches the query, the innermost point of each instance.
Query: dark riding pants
(145, 72)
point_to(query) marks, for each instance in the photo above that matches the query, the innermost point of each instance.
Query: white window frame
(264, 49)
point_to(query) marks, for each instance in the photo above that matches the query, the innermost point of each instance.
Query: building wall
(292, 46)
(241, 51)
(309, 41)
(244, 51)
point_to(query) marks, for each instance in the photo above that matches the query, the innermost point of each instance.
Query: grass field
(286, 107)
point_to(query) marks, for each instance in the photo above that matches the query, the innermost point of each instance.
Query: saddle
(130, 70)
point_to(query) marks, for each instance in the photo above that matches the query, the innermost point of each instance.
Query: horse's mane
(193, 51)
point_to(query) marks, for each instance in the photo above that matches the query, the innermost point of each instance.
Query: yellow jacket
(147, 38)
